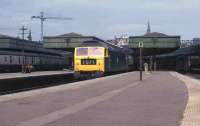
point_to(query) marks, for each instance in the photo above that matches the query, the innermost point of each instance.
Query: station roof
(193, 50)
(7, 36)
(72, 34)
(13, 43)
(69, 35)
(155, 35)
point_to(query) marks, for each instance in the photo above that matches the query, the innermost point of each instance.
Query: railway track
(10, 86)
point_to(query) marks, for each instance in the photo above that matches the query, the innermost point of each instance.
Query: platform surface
(32, 74)
(161, 99)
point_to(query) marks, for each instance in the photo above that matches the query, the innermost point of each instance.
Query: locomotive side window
(106, 53)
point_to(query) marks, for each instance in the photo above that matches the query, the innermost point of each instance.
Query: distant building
(66, 41)
(120, 41)
(148, 28)
(186, 43)
(123, 41)
(196, 41)
(189, 43)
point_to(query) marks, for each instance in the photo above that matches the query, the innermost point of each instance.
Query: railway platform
(161, 99)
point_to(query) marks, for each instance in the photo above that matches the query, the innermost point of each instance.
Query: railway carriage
(95, 58)
(16, 52)
(11, 61)
(195, 64)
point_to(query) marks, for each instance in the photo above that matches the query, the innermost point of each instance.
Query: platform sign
(141, 45)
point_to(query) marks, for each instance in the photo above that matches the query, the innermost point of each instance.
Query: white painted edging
(191, 115)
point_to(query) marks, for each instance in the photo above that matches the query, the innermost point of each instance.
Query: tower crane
(43, 18)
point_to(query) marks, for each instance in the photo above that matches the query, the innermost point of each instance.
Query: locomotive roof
(101, 44)
(107, 45)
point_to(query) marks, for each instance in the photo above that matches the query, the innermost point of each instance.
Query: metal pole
(23, 60)
(23, 32)
(151, 64)
(23, 29)
(23, 70)
(42, 20)
(140, 63)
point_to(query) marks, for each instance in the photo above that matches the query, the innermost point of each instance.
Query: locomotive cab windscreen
(89, 51)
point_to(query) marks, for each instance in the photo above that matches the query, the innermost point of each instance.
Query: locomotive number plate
(88, 61)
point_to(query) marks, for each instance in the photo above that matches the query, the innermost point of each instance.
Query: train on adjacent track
(96, 58)
(18, 54)
(183, 60)
(13, 61)
(185, 64)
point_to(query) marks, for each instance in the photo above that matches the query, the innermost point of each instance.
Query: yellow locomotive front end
(89, 61)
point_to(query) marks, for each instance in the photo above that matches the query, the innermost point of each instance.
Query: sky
(102, 18)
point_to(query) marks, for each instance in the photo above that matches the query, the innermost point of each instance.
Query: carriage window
(5, 59)
(82, 51)
(33, 60)
(19, 60)
(10, 59)
(96, 51)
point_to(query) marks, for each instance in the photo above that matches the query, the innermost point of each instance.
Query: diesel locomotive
(95, 58)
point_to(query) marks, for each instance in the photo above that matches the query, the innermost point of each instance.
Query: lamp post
(140, 47)
(23, 29)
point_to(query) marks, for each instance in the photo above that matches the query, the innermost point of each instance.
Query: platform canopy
(155, 43)
(10, 43)
(155, 40)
